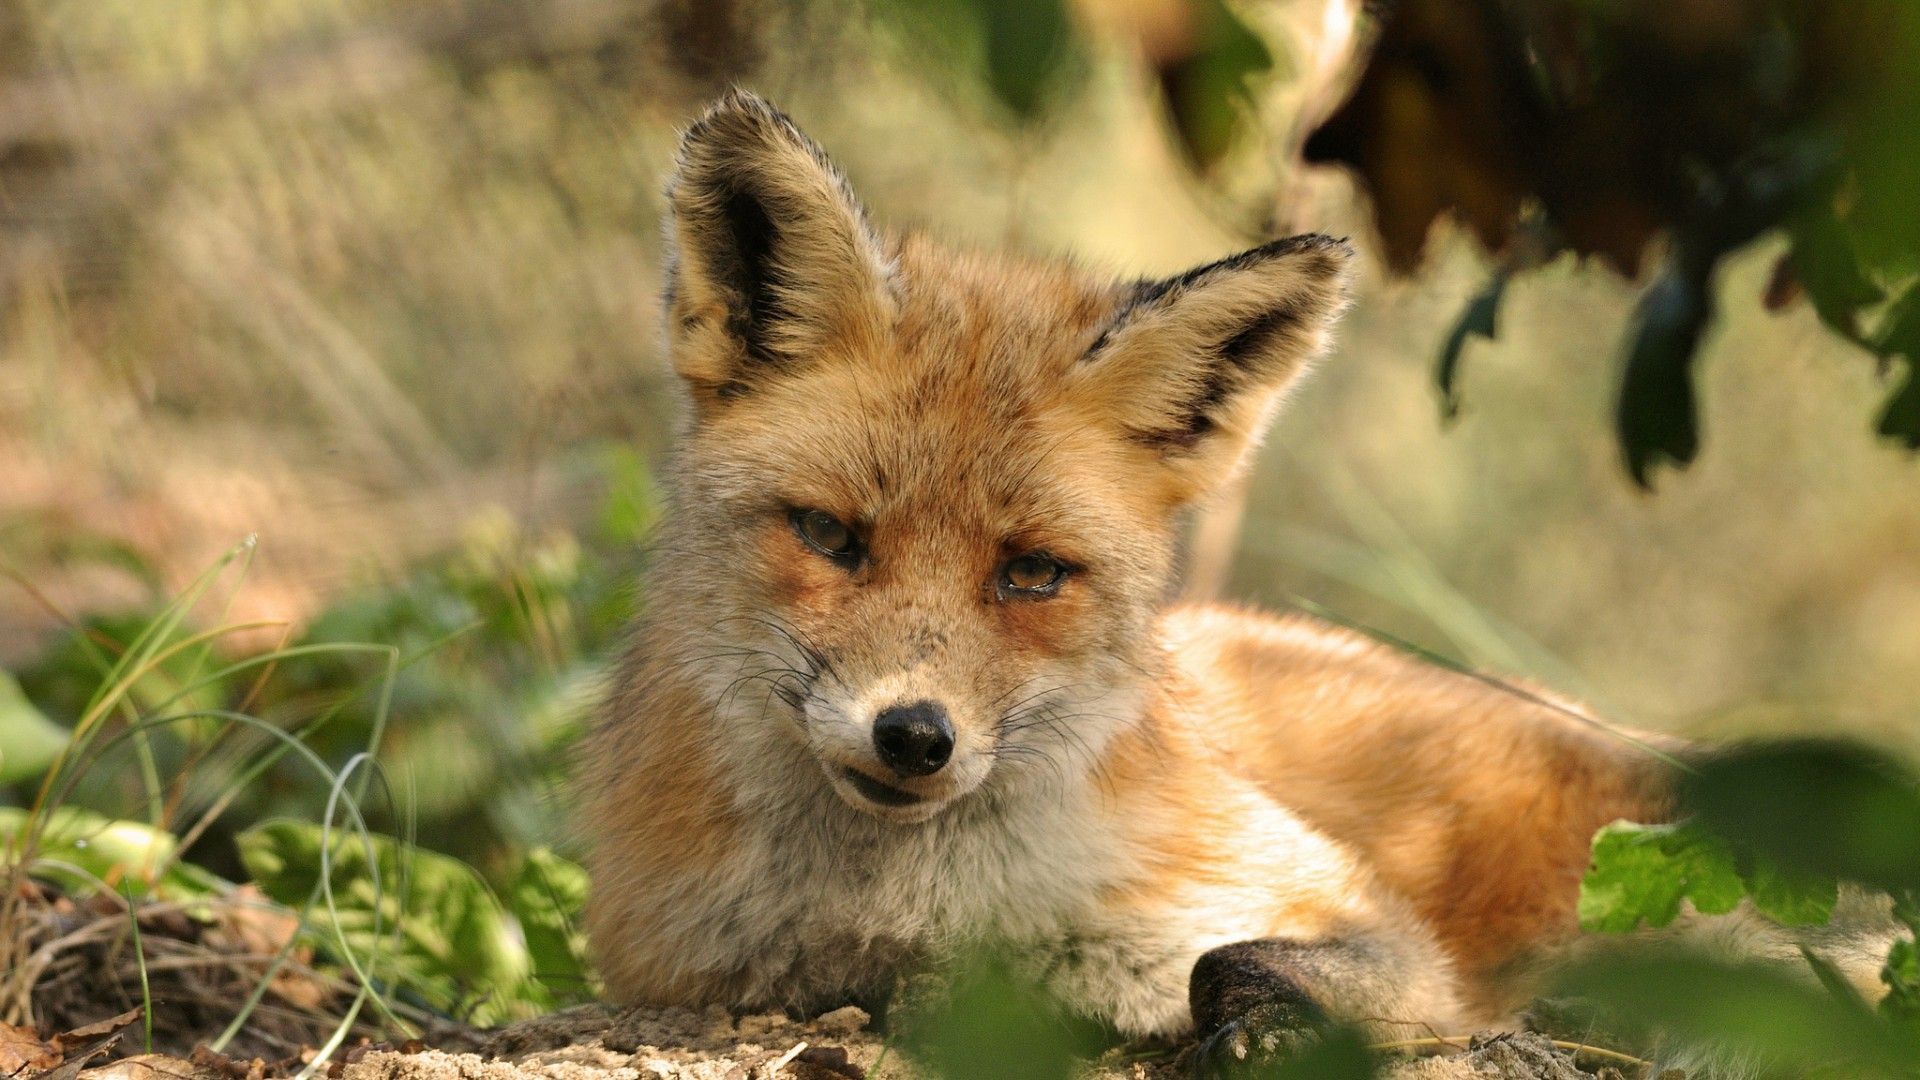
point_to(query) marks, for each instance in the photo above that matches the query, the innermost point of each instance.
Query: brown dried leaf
(85, 1032)
(148, 1067)
(22, 1049)
(252, 925)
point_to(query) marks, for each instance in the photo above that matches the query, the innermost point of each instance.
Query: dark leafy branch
(1609, 126)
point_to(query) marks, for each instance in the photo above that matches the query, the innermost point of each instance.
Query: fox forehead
(961, 412)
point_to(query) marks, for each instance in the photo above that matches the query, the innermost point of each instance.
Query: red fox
(909, 678)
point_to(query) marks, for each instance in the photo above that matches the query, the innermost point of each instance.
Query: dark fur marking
(1145, 294)
(754, 272)
(1259, 336)
(1251, 979)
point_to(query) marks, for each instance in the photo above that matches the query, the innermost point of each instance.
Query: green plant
(195, 738)
(1780, 825)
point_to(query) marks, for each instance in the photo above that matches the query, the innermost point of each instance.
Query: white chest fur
(820, 901)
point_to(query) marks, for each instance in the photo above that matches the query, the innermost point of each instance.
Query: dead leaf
(22, 1049)
(110, 1026)
(216, 1064)
(252, 925)
(77, 1059)
(147, 1067)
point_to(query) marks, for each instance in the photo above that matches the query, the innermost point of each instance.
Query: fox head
(925, 507)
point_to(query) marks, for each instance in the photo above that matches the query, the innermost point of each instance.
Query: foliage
(141, 713)
(498, 641)
(1778, 824)
(1640, 874)
(81, 851)
(425, 922)
(29, 742)
(1575, 126)
(990, 1021)
(1200, 53)
(1599, 127)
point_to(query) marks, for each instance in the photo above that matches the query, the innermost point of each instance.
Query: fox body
(909, 682)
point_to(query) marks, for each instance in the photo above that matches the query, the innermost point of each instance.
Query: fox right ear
(771, 257)
(1190, 369)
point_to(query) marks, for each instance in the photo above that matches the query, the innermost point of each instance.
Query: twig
(1459, 1042)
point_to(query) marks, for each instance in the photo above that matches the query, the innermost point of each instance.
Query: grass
(188, 736)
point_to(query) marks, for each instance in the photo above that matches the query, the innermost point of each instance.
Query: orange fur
(1129, 786)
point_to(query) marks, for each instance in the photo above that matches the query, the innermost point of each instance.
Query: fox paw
(1247, 1045)
(1251, 1009)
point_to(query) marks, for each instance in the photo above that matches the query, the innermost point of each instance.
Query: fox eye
(1032, 574)
(826, 534)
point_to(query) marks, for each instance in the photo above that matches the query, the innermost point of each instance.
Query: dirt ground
(594, 1043)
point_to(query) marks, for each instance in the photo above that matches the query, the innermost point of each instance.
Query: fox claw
(1247, 1045)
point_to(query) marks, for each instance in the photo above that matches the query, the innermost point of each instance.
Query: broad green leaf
(1018, 48)
(1827, 266)
(1641, 873)
(1207, 89)
(1788, 898)
(549, 896)
(1900, 418)
(81, 850)
(431, 922)
(1780, 1023)
(1819, 807)
(1902, 971)
(1902, 976)
(996, 1023)
(1899, 335)
(29, 741)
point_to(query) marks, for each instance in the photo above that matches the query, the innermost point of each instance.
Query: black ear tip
(738, 100)
(1336, 250)
(736, 120)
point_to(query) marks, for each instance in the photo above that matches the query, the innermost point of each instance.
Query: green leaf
(1641, 873)
(419, 919)
(995, 1023)
(1340, 1054)
(29, 742)
(1789, 898)
(1900, 418)
(1819, 807)
(1656, 417)
(1477, 320)
(1828, 267)
(548, 896)
(1902, 976)
(1018, 48)
(81, 850)
(1779, 1023)
(1207, 88)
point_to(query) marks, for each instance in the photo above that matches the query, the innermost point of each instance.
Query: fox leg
(1255, 1001)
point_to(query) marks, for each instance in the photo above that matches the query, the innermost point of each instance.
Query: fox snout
(910, 742)
(913, 740)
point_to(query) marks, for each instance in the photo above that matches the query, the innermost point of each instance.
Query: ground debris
(1497, 1056)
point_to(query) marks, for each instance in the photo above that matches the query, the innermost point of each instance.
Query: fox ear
(1191, 368)
(771, 257)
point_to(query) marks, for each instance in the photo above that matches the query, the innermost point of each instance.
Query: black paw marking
(1248, 1045)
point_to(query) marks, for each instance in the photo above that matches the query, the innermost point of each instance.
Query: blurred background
(376, 282)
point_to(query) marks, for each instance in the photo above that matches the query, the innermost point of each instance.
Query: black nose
(914, 740)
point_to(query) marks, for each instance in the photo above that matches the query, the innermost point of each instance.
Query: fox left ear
(1191, 368)
(772, 261)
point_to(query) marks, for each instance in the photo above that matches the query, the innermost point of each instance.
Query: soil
(596, 1043)
(84, 983)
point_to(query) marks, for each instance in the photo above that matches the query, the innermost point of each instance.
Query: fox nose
(914, 740)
